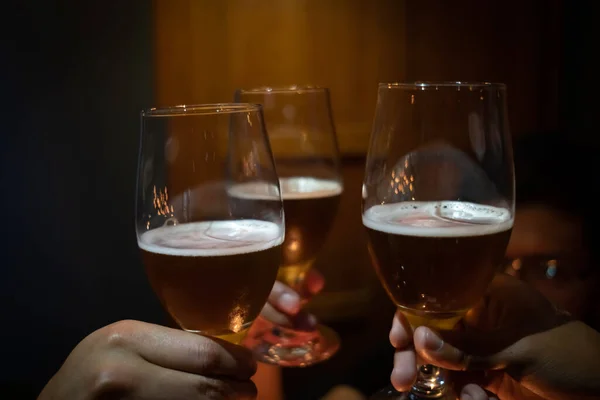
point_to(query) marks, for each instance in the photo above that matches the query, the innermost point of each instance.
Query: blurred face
(546, 250)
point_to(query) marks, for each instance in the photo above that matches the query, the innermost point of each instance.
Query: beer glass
(302, 135)
(438, 203)
(209, 215)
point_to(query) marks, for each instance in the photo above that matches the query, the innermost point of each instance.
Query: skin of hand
(135, 360)
(515, 343)
(284, 306)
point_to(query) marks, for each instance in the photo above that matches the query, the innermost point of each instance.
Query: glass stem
(430, 384)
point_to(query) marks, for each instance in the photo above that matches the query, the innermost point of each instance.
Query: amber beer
(436, 259)
(310, 205)
(213, 277)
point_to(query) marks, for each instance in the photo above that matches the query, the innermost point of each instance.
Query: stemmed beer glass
(209, 215)
(438, 203)
(302, 135)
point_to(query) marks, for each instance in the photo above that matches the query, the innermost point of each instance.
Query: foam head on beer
(437, 258)
(213, 276)
(438, 219)
(298, 187)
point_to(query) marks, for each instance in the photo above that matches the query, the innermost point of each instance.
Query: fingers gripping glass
(302, 135)
(438, 203)
(209, 215)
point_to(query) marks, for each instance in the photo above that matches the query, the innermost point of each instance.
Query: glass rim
(201, 109)
(283, 89)
(436, 84)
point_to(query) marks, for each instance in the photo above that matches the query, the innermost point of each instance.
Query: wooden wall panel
(205, 49)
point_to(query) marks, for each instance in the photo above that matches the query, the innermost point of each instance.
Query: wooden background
(205, 49)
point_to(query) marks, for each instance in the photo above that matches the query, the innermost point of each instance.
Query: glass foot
(389, 393)
(431, 384)
(291, 348)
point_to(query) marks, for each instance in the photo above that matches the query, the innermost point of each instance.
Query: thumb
(434, 350)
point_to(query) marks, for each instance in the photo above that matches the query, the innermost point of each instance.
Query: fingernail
(290, 302)
(432, 341)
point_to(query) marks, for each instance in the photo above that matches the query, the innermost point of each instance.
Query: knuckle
(119, 333)
(111, 379)
(206, 356)
(116, 339)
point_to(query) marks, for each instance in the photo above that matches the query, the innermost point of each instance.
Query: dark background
(78, 73)
(75, 75)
